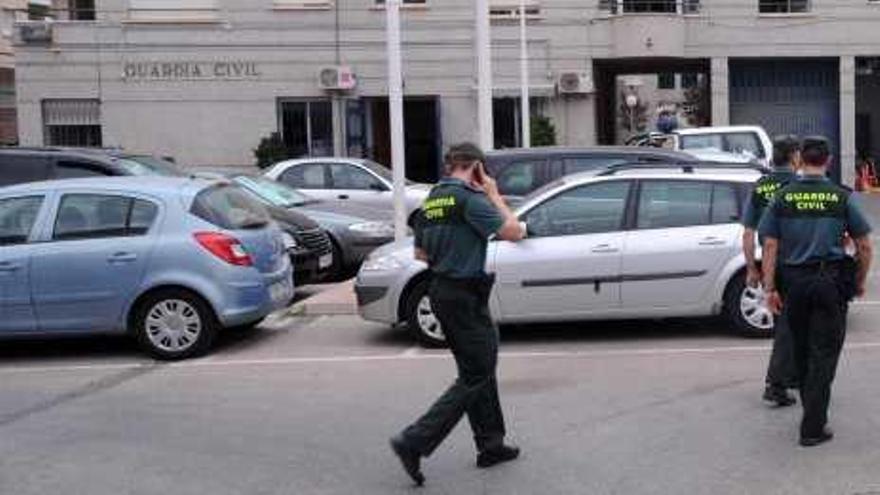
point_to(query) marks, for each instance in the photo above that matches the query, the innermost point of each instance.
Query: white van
(750, 141)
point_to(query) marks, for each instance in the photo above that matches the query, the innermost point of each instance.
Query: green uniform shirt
(766, 187)
(454, 229)
(809, 217)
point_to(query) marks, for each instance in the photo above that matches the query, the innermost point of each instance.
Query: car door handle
(8, 266)
(122, 258)
(712, 241)
(342, 196)
(604, 248)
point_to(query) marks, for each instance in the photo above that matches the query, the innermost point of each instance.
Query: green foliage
(271, 150)
(543, 131)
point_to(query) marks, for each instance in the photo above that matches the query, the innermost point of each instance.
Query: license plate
(279, 291)
(325, 261)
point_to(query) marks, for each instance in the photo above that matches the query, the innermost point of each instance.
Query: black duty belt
(830, 266)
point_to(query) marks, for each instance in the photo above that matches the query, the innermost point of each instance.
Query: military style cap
(464, 152)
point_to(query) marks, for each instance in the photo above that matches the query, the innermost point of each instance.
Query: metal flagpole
(484, 75)
(526, 120)
(395, 110)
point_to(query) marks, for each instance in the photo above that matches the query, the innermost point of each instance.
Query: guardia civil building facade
(204, 80)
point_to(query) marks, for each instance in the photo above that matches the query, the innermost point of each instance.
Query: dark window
(230, 207)
(17, 168)
(94, 216)
(72, 170)
(661, 6)
(670, 204)
(656, 6)
(307, 127)
(82, 10)
(725, 207)
(521, 178)
(666, 80)
(783, 6)
(589, 209)
(351, 177)
(690, 80)
(306, 176)
(17, 217)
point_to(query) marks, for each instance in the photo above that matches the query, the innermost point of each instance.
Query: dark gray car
(353, 236)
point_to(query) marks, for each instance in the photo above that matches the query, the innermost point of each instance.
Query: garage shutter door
(787, 96)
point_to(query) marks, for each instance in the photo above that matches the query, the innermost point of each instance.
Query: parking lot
(305, 405)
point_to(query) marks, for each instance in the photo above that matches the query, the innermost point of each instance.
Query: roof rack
(687, 168)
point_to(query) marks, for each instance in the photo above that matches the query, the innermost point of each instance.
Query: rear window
(741, 143)
(229, 207)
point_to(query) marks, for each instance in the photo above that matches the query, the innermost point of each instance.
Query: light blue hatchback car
(169, 260)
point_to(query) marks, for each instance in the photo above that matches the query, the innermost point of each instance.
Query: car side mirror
(378, 187)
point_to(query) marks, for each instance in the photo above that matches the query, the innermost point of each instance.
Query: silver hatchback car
(170, 260)
(629, 243)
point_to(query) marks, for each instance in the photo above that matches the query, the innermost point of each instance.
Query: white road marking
(221, 363)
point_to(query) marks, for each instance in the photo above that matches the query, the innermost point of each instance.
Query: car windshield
(382, 171)
(742, 143)
(272, 192)
(149, 165)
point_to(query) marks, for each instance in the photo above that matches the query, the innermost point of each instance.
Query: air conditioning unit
(572, 83)
(35, 32)
(337, 77)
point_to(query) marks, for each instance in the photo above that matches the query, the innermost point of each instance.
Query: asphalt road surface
(306, 405)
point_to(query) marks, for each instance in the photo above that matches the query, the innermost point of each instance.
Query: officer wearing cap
(780, 371)
(803, 231)
(459, 216)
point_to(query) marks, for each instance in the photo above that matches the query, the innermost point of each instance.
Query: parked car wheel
(747, 310)
(420, 317)
(174, 324)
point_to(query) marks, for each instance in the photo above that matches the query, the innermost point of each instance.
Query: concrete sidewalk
(330, 299)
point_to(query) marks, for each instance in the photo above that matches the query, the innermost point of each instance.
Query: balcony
(648, 28)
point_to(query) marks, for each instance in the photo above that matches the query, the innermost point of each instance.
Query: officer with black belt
(459, 216)
(780, 371)
(804, 229)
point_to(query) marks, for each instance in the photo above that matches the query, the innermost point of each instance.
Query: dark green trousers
(463, 311)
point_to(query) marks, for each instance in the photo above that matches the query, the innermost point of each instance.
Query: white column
(526, 113)
(395, 104)
(338, 113)
(483, 42)
(848, 120)
(720, 82)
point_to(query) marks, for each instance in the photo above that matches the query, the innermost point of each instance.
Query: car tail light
(225, 247)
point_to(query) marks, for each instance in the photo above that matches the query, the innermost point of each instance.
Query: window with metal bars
(72, 123)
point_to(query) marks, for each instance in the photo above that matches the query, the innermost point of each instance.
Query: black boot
(825, 436)
(409, 458)
(778, 396)
(504, 453)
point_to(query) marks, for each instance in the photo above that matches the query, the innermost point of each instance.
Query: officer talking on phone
(459, 216)
(780, 372)
(804, 229)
